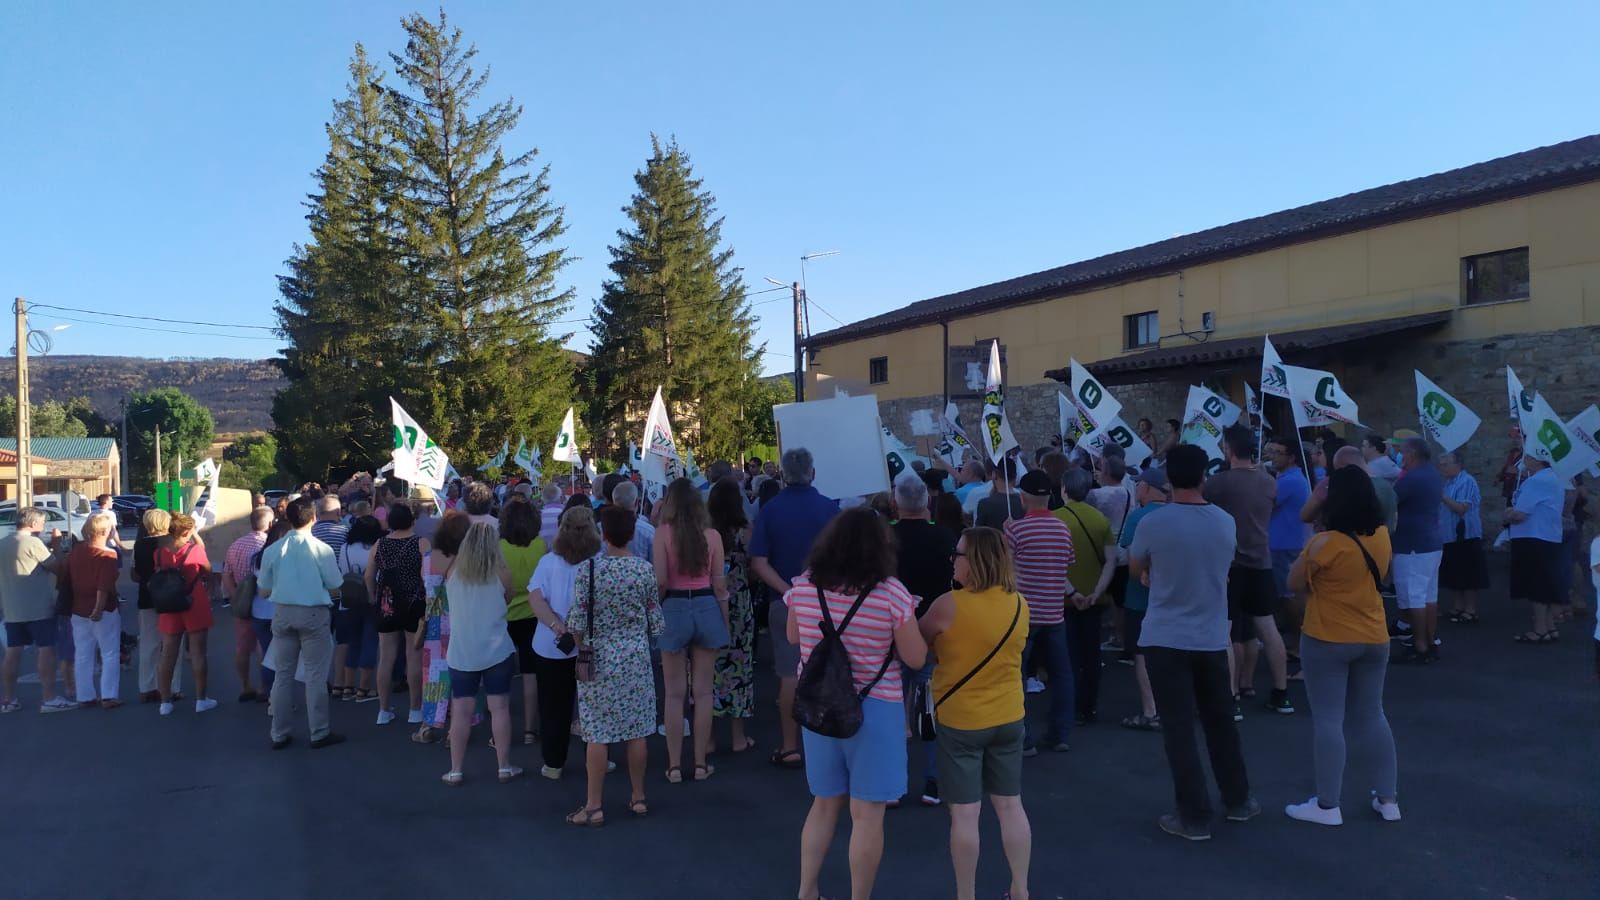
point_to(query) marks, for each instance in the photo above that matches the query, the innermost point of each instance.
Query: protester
(355, 632)
(1248, 495)
(733, 683)
(1375, 450)
(550, 597)
(1183, 555)
(926, 555)
(947, 515)
(626, 495)
(1002, 503)
(330, 528)
(480, 654)
(1463, 567)
(1418, 548)
(1287, 533)
(433, 636)
(91, 574)
(1093, 564)
(615, 613)
(1042, 552)
(1345, 646)
(299, 576)
(851, 570)
(522, 548)
(780, 543)
(1114, 499)
(550, 512)
(394, 579)
(978, 632)
(237, 566)
(1153, 493)
(153, 527)
(182, 551)
(972, 485)
(478, 502)
(27, 597)
(1534, 523)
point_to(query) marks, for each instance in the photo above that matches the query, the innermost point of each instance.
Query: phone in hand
(566, 643)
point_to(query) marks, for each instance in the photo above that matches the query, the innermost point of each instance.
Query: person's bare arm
(768, 575)
(1455, 506)
(909, 645)
(544, 613)
(371, 574)
(1312, 507)
(717, 559)
(422, 558)
(658, 558)
(1108, 568)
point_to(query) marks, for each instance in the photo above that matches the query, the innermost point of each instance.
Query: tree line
(432, 274)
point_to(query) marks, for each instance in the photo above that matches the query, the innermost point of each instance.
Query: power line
(97, 312)
(823, 311)
(239, 337)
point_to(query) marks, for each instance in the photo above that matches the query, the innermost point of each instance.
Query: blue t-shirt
(1416, 505)
(962, 491)
(1136, 596)
(1540, 497)
(788, 525)
(1285, 531)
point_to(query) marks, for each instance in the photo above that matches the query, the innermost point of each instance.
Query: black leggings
(558, 696)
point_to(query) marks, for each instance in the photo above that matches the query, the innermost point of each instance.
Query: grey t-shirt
(1248, 496)
(27, 590)
(1188, 548)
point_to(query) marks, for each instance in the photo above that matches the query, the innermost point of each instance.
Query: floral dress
(620, 703)
(435, 642)
(733, 682)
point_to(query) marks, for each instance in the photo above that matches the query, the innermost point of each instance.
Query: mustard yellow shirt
(993, 697)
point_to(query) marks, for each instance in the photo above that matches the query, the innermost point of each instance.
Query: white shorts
(1416, 579)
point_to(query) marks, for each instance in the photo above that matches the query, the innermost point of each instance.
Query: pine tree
(673, 314)
(478, 232)
(342, 301)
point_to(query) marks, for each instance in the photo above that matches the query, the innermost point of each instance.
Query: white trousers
(106, 637)
(150, 654)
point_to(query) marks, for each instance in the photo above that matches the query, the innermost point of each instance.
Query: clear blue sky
(154, 157)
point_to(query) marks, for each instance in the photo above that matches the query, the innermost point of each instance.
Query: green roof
(66, 447)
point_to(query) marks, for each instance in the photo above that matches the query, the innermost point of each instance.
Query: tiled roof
(65, 448)
(1520, 174)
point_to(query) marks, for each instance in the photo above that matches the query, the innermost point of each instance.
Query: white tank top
(478, 638)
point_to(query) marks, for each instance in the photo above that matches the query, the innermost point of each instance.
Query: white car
(54, 519)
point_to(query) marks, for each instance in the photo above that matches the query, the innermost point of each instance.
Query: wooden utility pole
(799, 341)
(158, 453)
(24, 436)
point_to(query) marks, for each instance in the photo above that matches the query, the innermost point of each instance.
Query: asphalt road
(1497, 745)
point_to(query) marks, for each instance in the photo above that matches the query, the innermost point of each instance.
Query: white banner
(1135, 451)
(1443, 417)
(1251, 401)
(1318, 397)
(1518, 401)
(1546, 437)
(416, 457)
(997, 437)
(1096, 405)
(658, 431)
(566, 449)
(1274, 380)
(1067, 414)
(1585, 426)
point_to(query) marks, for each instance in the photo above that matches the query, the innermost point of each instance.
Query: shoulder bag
(1016, 616)
(244, 593)
(170, 592)
(1372, 564)
(353, 588)
(585, 660)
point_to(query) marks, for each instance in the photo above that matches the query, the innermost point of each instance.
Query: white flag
(1317, 397)
(997, 437)
(954, 444)
(1519, 400)
(1252, 403)
(567, 442)
(1204, 417)
(658, 431)
(590, 472)
(416, 457)
(499, 459)
(1095, 404)
(1585, 426)
(1273, 379)
(1444, 418)
(890, 441)
(524, 458)
(1546, 437)
(1219, 409)
(1135, 450)
(1067, 415)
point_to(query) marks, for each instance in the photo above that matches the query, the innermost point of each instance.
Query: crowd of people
(919, 619)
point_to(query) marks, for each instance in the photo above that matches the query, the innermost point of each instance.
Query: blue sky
(155, 156)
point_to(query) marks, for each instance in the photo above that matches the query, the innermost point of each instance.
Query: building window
(1140, 330)
(1495, 277)
(878, 370)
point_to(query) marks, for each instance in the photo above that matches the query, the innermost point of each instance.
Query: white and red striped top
(867, 638)
(1041, 551)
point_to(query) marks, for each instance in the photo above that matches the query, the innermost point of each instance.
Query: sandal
(510, 773)
(424, 735)
(362, 695)
(110, 704)
(1142, 722)
(749, 744)
(454, 779)
(529, 737)
(584, 817)
(1535, 637)
(701, 773)
(639, 808)
(788, 759)
(675, 775)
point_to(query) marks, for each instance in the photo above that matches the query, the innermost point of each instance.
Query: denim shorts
(870, 766)
(692, 622)
(39, 633)
(496, 680)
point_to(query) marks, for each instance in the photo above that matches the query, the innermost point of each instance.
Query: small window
(878, 370)
(1495, 277)
(1140, 330)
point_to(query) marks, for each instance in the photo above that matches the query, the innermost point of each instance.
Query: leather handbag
(584, 666)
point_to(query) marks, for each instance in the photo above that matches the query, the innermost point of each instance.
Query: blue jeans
(263, 629)
(1051, 642)
(909, 678)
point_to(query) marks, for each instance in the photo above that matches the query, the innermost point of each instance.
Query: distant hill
(237, 391)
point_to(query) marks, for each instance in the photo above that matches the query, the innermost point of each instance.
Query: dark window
(878, 369)
(1495, 277)
(1140, 330)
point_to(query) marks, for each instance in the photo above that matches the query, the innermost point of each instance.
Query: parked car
(54, 519)
(274, 495)
(131, 507)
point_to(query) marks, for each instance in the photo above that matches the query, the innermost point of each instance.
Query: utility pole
(799, 341)
(125, 487)
(24, 436)
(158, 453)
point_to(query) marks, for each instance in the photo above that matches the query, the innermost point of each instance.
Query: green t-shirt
(1091, 537)
(1137, 596)
(521, 561)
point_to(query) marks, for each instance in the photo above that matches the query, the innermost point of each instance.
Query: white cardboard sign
(845, 440)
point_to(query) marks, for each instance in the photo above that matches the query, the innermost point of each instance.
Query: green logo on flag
(1554, 438)
(1324, 393)
(991, 421)
(562, 442)
(1122, 436)
(1212, 407)
(1526, 399)
(1438, 408)
(1090, 394)
(896, 465)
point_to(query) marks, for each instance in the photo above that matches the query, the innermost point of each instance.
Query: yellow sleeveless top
(993, 697)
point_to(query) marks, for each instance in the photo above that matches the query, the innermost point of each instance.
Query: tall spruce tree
(673, 314)
(479, 232)
(341, 304)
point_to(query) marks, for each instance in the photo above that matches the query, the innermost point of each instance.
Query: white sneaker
(385, 717)
(552, 774)
(57, 704)
(1389, 811)
(662, 729)
(1035, 686)
(205, 704)
(166, 709)
(1309, 811)
(415, 718)
(611, 766)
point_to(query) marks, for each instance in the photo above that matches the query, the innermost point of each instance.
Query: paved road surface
(1498, 746)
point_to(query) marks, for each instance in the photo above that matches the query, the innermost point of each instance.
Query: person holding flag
(1534, 524)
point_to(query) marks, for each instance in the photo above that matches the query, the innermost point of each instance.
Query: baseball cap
(1035, 484)
(1155, 477)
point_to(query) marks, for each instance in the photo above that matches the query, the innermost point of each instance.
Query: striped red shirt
(868, 637)
(1041, 552)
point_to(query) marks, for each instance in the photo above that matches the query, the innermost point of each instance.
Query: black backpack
(825, 697)
(169, 591)
(353, 589)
